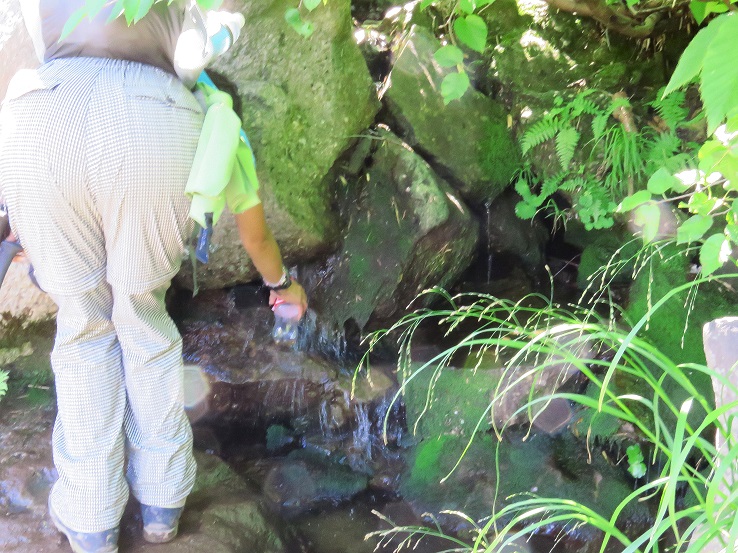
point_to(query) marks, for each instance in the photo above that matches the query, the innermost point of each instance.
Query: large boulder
(21, 298)
(467, 141)
(303, 102)
(16, 49)
(408, 230)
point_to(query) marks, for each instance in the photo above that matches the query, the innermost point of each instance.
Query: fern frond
(671, 109)
(662, 147)
(566, 144)
(581, 105)
(552, 184)
(599, 123)
(543, 130)
(573, 184)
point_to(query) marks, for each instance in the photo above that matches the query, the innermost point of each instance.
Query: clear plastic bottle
(286, 322)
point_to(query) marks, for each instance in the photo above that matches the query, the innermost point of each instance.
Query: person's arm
(261, 246)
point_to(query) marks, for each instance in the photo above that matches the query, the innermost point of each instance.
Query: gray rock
(408, 230)
(16, 49)
(467, 141)
(721, 350)
(21, 298)
(303, 103)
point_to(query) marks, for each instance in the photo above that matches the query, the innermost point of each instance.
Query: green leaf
(636, 465)
(690, 63)
(719, 83)
(311, 4)
(731, 231)
(294, 19)
(701, 203)
(693, 229)
(143, 8)
(467, 6)
(661, 182)
(648, 217)
(74, 20)
(631, 202)
(700, 9)
(209, 4)
(472, 31)
(713, 253)
(449, 56)
(425, 3)
(524, 210)
(454, 85)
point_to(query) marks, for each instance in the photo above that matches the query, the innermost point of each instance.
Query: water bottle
(286, 322)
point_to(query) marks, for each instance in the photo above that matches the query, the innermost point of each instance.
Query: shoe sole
(62, 529)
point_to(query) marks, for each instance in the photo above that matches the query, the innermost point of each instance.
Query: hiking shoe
(160, 524)
(87, 542)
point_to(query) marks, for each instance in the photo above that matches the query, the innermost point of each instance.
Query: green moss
(676, 327)
(500, 155)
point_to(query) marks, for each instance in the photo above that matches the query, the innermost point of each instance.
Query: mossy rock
(676, 327)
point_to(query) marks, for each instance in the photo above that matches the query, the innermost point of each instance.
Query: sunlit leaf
(449, 56)
(690, 63)
(467, 6)
(454, 85)
(633, 201)
(472, 31)
(143, 9)
(661, 182)
(209, 4)
(713, 253)
(700, 9)
(731, 231)
(648, 217)
(693, 229)
(311, 4)
(701, 203)
(719, 82)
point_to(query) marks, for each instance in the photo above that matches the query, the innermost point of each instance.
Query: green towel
(223, 170)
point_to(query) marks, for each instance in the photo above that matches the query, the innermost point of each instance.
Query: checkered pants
(94, 157)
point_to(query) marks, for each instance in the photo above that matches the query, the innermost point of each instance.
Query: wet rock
(302, 102)
(250, 380)
(306, 480)
(456, 401)
(223, 515)
(506, 233)
(407, 231)
(467, 141)
(541, 465)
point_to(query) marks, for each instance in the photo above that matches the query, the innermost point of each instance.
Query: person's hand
(295, 295)
(21, 256)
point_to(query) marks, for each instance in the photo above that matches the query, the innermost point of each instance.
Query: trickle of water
(362, 432)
